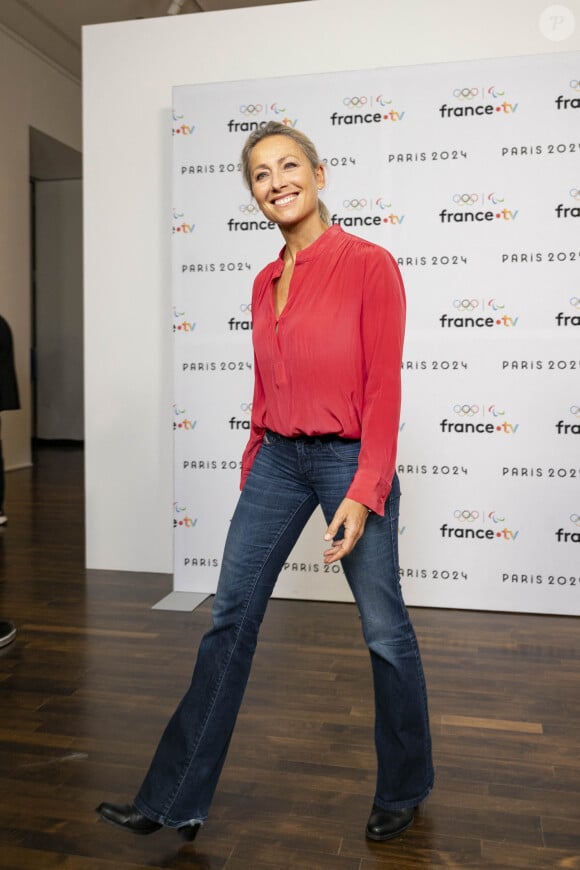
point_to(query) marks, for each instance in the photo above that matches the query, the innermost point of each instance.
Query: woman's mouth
(285, 200)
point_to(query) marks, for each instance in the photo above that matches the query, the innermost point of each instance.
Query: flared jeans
(288, 479)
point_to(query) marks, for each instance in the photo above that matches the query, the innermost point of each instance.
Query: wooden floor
(94, 673)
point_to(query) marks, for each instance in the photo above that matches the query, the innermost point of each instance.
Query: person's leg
(273, 508)
(2, 517)
(402, 736)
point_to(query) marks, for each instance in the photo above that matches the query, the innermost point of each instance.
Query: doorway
(57, 291)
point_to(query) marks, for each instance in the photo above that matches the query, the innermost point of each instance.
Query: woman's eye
(290, 165)
(260, 176)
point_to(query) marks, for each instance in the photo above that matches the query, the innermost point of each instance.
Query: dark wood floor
(94, 673)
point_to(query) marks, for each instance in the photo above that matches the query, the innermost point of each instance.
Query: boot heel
(188, 832)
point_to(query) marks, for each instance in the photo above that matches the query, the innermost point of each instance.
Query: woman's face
(284, 184)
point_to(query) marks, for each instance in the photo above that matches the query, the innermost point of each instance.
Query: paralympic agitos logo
(473, 419)
(478, 525)
(363, 110)
(472, 102)
(477, 208)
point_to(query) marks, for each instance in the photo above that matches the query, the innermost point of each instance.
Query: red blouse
(333, 364)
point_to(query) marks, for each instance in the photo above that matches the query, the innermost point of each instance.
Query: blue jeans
(288, 480)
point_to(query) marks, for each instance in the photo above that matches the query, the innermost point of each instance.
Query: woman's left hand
(353, 515)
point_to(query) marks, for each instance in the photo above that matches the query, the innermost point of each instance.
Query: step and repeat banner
(469, 173)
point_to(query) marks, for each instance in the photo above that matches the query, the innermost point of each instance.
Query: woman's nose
(277, 180)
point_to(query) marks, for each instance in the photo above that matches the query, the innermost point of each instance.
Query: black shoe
(386, 824)
(128, 817)
(7, 632)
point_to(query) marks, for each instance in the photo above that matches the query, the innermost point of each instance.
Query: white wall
(33, 92)
(59, 309)
(129, 69)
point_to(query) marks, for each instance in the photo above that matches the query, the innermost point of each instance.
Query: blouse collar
(316, 249)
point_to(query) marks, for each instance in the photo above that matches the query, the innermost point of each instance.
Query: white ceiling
(54, 26)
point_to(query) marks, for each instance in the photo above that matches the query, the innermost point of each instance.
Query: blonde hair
(273, 128)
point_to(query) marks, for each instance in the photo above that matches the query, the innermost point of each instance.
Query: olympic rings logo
(250, 208)
(575, 193)
(466, 516)
(465, 93)
(575, 302)
(495, 519)
(465, 304)
(354, 203)
(251, 109)
(466, 410)
(246, 407)
(575, 410)
(575, 84)
(465, 198)
(246, 306)
(354, 101)
(494, 412)
(575, 518)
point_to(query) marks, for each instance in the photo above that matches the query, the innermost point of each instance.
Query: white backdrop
(472, 183)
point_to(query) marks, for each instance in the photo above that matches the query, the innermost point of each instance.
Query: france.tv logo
(569, 319)
(471, 524)
(477, 208)
(563, 102)
(180, 126)
(180, 225)
(573, 537)
(381, 212)
(180, 323)
(569, 211)
(366, 109)
(475, 419)
(181, 517)
(470, 312)
(472, 102)
(563, 427)
(181, 420)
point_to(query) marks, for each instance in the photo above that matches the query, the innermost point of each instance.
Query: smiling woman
(328, 323)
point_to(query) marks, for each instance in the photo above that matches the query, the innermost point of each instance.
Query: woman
(328, 333)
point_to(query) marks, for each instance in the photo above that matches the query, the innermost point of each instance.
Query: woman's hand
(353, 515)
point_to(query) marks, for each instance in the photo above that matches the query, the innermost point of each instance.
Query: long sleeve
(382, 334)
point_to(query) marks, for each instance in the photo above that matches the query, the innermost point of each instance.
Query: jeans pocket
(345, 451)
